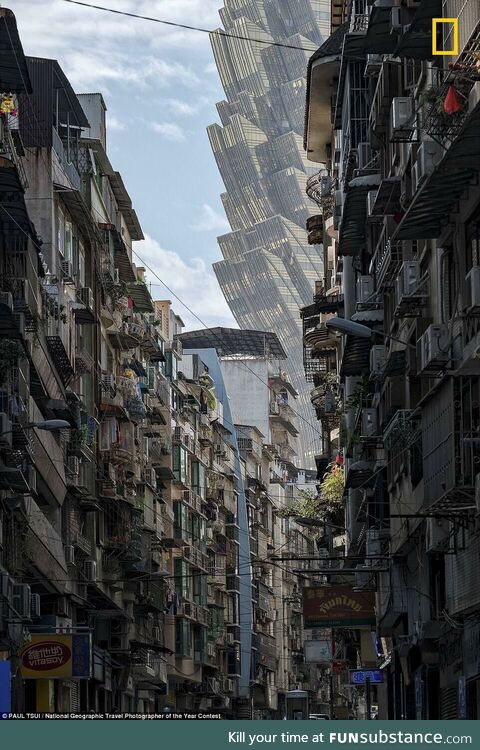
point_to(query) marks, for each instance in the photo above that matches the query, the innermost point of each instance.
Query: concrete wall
(246, 382)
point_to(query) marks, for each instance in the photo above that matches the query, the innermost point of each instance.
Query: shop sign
(360, 676)
(48, 655)
(318, 652)
(338, 606)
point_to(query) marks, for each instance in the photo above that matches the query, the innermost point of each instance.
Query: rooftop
(234, 341)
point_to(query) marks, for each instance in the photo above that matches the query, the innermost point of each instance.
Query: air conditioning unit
(401, 115)
(90, 571)
(73, 466)
(437, 534)
(109, 381)
(364, 155)
(116, 276)
(428, 156)
(69, 552)
(6, 299)
(369, 422)
(472, 283)
(325, 186)
(408, 280)
(21, 600)
(85, 296)
(373, 65)
(63, 607)
(5, 431)
(433, 349)
(35, 606)
(364, 288)
(66, 270)
(396, 21)
(377, 359)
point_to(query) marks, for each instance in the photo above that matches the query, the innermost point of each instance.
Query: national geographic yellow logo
(435, 24)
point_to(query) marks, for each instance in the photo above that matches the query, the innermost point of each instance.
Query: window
(447, 286)
(179, 460)
(183, 637)
(60, 231)
(68, 241)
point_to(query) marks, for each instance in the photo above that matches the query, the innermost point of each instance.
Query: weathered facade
(395, 131)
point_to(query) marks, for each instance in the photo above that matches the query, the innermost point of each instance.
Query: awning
(352, 238)
(125, 206)
(329, 304)
(44, 546)
(14, 75)
(141, 297)
(323, 67)
(380, 38)
(416, 40)
(387, 197)
(368, 316)
(433, 203)
(356, 357)
(360, 475)
(13, 211)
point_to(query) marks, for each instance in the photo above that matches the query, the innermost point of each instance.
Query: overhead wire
(217, 32)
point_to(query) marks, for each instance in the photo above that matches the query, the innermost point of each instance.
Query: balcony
(57, 333)
(233, 583)
(451, 446)
(384, 92)
(65, 171)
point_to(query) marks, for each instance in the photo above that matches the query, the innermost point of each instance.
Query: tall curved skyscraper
(268, 269)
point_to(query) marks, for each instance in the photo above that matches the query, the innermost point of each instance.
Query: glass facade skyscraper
(268, 269)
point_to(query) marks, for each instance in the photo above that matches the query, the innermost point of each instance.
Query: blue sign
(5, 688)
(360, 676)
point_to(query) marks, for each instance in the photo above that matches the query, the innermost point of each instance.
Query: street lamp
(358, 330)
(49, 425)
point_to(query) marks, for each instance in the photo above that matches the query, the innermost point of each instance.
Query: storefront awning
(436, 199)
(352, 237)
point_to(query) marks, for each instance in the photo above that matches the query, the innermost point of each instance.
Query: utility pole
(331, 697)
(368, 694)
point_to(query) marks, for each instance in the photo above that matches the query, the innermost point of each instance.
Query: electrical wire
(217, 32)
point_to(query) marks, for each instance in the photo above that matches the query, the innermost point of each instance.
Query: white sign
(318, 652)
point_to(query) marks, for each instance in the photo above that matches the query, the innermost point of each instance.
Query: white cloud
(113, 123)
(95, 47)
(211, 220)
(169, 130)
(179, 107)
(194, 283)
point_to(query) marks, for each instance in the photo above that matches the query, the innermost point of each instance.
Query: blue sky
(160, 85)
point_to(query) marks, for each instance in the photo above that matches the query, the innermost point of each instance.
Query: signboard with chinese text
(360, 676)
(338, 606)
(49, 655)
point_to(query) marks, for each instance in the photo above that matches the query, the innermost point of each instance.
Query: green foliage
(10, 353)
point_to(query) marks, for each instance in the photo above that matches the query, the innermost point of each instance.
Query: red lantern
(452, 101)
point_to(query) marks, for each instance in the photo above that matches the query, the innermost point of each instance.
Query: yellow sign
(435, 23)
(49, 655)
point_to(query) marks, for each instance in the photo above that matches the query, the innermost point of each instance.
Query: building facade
(394, 129)
(269, 262)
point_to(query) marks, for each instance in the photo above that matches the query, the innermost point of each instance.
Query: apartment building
(394, 129)
(118, 514)
(262, 418)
